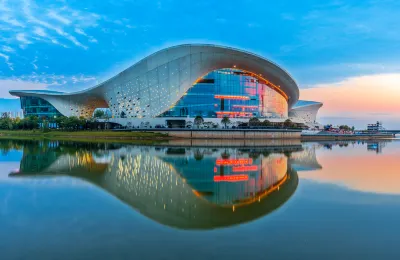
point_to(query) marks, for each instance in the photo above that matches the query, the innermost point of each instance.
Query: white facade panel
(155, 83)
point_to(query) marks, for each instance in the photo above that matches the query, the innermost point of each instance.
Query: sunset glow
(365, 171)
(374, 96)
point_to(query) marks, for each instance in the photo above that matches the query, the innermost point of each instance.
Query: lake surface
(289, 200)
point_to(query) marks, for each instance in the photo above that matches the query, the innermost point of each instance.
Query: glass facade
(233, 93)
(35, 106)
(231, 181)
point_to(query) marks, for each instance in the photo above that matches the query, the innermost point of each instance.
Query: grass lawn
(86, 136)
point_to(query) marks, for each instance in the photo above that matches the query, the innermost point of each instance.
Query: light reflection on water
(254, 190)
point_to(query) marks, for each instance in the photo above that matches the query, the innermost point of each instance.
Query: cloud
(364, 97)
(336, 72)
(8, 49)
(59, 18)
(40, 31)
(55, 41)
(8, 84)
(22, 38)
(32, 19)
(11, 21)
(35, 81)
(3, 6)
(341, 23)
(52, 80)
(34, 63)
(25, 23)
(80, 31)
(48, 22)
(339, 117)
(7, 60)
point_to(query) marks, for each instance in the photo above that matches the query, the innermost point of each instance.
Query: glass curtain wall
(232, 93)
(34, 106)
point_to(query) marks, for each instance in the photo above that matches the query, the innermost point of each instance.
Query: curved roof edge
(228, 56)
(155, 53)
(195, 45)
(306, 103)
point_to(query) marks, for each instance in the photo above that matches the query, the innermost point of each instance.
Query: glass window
(34, 106)
(232, 93)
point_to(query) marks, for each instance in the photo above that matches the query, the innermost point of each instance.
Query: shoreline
(347, 137)
(222, 137)
(86, 136)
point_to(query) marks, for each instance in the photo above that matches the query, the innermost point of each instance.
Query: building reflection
(306, 160)
(370, 166)
(372, 145)
(376, 147)
(188, 188)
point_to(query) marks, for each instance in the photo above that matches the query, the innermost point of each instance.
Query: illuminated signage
(231, 178)
(243, 106)
(240, 161)
(251, 168)
(232, 97)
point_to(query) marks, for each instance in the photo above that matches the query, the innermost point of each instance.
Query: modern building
(306, 112)
(36, 106)
(12, 114)
(174, 85)
(378, 127)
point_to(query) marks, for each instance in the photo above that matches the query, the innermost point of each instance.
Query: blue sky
(70, 45)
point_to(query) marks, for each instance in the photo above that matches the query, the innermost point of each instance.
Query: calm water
(327, 200)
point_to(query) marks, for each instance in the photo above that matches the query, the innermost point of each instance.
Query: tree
(345, 127)
(288, 154)
(4, 115)
(254, 121)
(254, 155)
(82, 122)
(189, 124)
(99, 113)
(225, 120)
(288, 123)
(198, 120)
(198, 155)
(74, 123)
(29, 122)
(6, 123)
(225, 154)
(266, 123)
(45, 126)
(91, 123)
(61, 121)
(106, 116)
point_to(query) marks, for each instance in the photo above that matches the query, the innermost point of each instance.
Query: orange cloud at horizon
(358, 95)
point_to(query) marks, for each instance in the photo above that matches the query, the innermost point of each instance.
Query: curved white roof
(305, 103)
(175, 68)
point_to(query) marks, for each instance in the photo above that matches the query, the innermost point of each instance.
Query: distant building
(176, 84)
(378, 127)
(305, 112)
(12, 114)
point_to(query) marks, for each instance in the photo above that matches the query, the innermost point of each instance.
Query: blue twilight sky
(70, 45)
